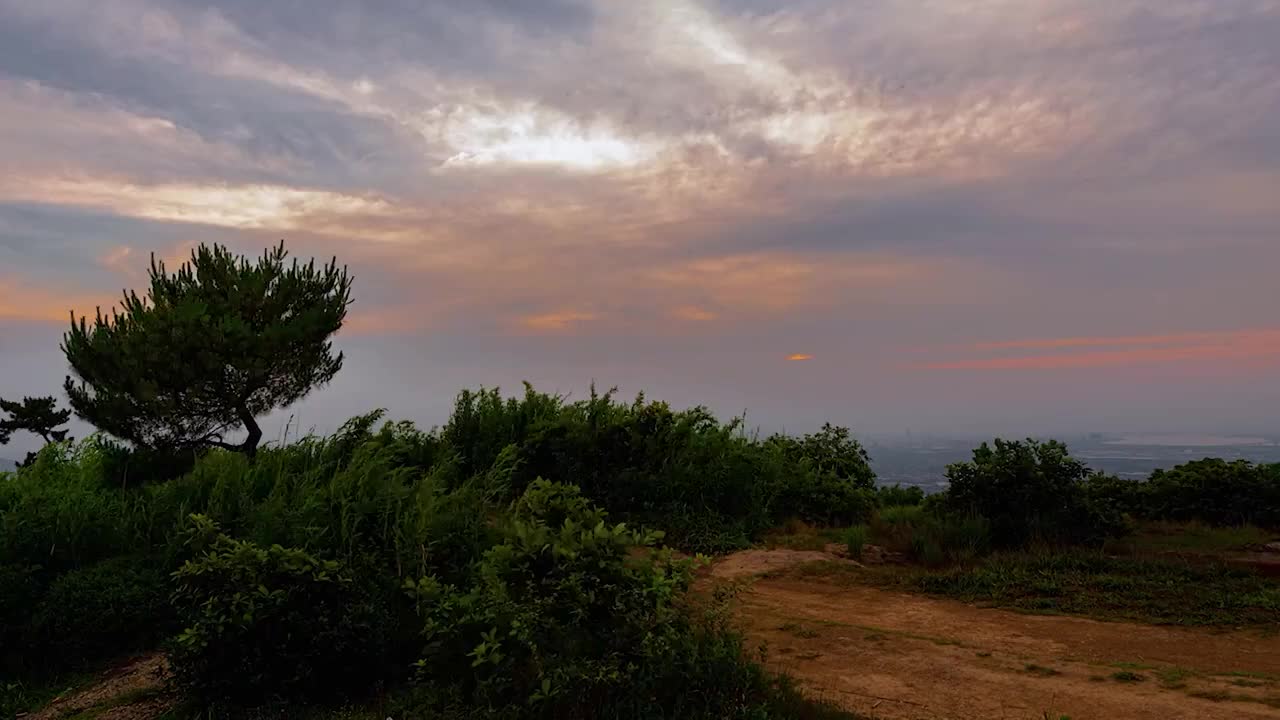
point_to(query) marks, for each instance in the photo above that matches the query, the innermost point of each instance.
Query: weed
(983, 654)
(1040, 670)
(1174, 678)
(1089, 583)
(1127, 676)
(799, 631)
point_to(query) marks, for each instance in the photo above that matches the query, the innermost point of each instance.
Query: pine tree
(209, 349)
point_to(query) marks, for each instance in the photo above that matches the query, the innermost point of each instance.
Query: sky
(970, 216)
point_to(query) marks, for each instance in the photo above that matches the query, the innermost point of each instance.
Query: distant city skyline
(966, 217)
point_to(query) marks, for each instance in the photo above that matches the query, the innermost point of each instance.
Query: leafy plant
(275, 622)
(1029, 491)
(100, 611)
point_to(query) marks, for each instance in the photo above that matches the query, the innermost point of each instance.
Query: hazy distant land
(923, 461)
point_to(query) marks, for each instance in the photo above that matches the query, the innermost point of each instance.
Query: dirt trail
(131, 690)
(900, 657)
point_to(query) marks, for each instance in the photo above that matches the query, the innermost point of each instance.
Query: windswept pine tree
(209, 349)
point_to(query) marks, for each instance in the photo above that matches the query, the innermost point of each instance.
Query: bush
(559, 617)
(573, 617)
(891, 495)
(1216, 492)
(21, 587)
(1029, 492)
(96, 612)
(931, 536)
(276, 623)
(854, 538)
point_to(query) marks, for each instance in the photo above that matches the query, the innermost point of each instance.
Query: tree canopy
(39, 416)
(210, 348)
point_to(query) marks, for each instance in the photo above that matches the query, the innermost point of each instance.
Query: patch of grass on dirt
(1174, 678)
(1078, 582)
(1241, 682)
(1194, 538)
(797, 535)
(1040, 670)
(20, 697)
(1127, 676)
(799, 630)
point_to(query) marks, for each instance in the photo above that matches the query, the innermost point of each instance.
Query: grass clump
(1127, 676)
(1040, 670)
(1089, 583)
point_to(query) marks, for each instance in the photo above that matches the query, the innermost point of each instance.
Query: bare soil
(130, 690)
(903, 657)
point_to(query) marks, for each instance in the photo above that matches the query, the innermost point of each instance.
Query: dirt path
(131, 690)
(900, 657)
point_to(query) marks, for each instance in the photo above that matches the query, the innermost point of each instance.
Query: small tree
(38, 416)
(209, 349)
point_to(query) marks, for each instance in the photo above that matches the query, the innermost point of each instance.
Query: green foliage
(567, 620)
(1214, 491)
(1081, 582)
(38, 416)
(274, 622)
(211, 347)
(930, 536)
(895, 495)
(21, 587)
(855, 538)
(708, 485)
(100, 611)
(1030, 492)
(558, 616)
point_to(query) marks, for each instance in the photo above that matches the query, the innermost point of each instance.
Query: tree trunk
(250, 445)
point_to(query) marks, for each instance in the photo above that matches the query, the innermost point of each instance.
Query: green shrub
(266, 623)
(106, 609)
(1214, 491)
(567, 620)
(930, 535)
(855, 538)
(893, 495)
(559, 616)
(21, 588)
(1029, 492)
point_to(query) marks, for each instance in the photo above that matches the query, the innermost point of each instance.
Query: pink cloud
(1254, 349)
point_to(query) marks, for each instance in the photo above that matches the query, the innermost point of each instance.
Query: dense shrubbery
(931, 536)
(100, 611)
(1212, 491)
(1030, 492)
(291, 583)
(266, 623)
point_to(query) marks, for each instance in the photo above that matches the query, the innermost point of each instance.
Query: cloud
(1255, 348)
(799, 357)
(560, 321)
(687, 182)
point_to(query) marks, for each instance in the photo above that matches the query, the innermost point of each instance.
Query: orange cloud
(799, 357)
(23, 302)
(693, 313)
(1256, 348)
(555, 321)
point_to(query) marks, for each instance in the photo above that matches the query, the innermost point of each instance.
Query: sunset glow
(969, 212)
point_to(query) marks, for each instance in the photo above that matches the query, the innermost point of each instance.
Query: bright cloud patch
(530, 135)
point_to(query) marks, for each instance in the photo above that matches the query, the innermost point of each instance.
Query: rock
(1271, 547)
